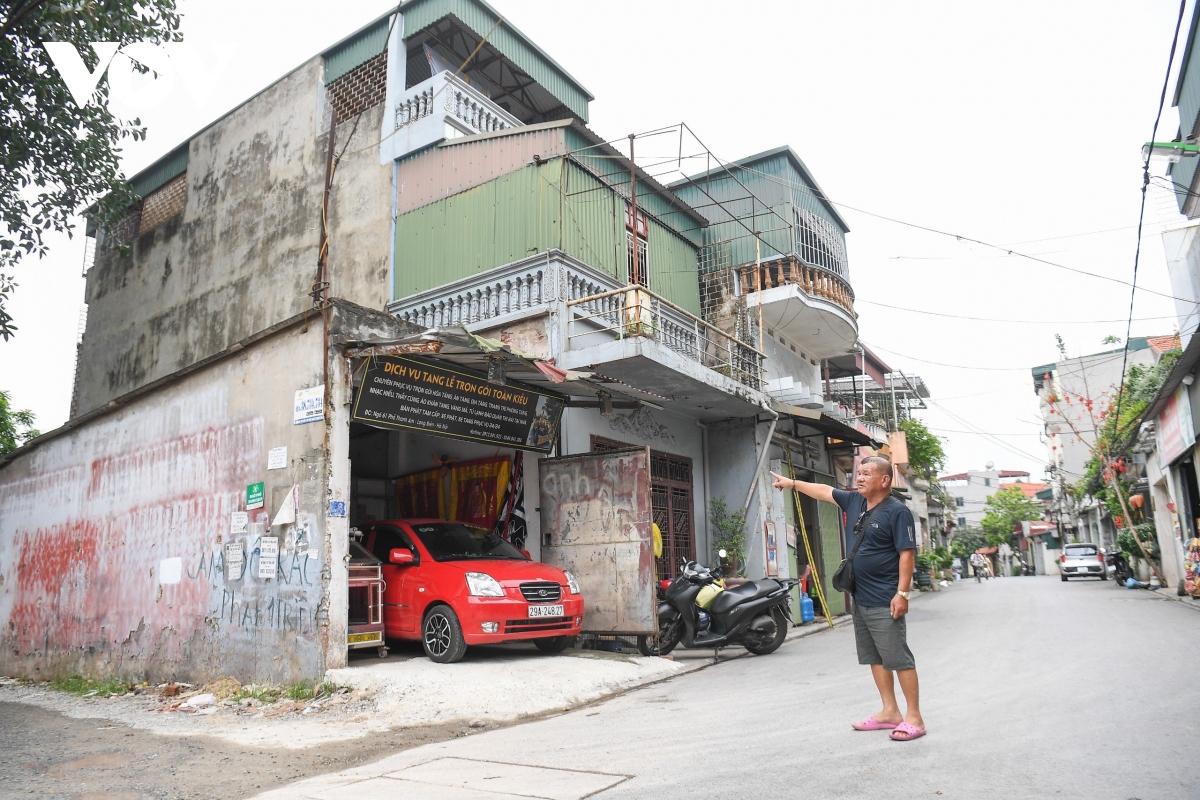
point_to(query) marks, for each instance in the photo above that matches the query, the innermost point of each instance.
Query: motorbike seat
(753, 590)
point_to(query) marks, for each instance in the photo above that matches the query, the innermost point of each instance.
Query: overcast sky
(1013, 123)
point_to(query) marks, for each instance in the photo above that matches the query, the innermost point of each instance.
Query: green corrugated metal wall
(170, 166)
(662, 205)
(831, 549)
(360, 48)
(782, 188)
(517, 215)
(480, 18)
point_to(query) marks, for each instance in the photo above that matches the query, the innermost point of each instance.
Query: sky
(1017, 124)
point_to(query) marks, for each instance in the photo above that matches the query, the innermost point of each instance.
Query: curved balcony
(811, 307)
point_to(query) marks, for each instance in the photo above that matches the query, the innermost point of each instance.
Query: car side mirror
(526, 554)
(400, 557)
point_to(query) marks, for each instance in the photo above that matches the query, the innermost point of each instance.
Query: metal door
(595, 512)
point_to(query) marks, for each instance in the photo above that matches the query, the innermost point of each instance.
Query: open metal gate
(596, 518)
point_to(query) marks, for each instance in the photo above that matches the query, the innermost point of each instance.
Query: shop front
(460, 434)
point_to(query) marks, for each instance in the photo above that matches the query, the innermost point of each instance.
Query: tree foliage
(926, 457)
(57, 158)
(1005, 509)
(965, 542)
(16, 427)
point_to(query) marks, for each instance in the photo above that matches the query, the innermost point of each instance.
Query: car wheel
(555, 644)
(442, 636)
(1064, 578)
(1103, 577)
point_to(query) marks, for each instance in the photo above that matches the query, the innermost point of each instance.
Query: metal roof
(797, 163)
(506, 39)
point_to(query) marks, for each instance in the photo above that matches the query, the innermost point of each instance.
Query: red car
(450, 585)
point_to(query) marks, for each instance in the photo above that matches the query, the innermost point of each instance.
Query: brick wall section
(361, 88)
(163, 203)
(125, 230)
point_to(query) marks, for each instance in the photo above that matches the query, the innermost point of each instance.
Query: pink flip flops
(871, 724)
(909, 732)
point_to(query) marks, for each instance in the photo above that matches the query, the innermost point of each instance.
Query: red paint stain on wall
(92, 581)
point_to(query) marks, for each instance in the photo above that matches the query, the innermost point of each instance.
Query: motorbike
(755, 614)
(1121, 572)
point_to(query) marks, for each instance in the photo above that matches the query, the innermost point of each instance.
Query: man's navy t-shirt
(877, 563)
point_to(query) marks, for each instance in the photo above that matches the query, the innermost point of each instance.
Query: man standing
(883, 569)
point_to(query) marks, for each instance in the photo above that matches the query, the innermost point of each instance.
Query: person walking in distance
(883, 570)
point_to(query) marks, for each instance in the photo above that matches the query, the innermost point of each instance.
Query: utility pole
(758, 281)
(637, 275)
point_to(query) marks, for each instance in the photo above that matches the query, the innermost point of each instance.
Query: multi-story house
(1084, 388)
(373, 209)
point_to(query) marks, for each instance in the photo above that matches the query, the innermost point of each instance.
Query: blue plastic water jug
(806, 608)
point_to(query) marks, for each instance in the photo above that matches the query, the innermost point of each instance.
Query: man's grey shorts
(881, 639)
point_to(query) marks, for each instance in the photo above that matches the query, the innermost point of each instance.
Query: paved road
(1031, 688)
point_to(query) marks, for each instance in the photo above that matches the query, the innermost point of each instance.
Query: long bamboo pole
(807, 547)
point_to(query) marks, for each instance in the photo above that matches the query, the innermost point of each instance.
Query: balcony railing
(594, 306)
(635, 311)
(451, 98)
(816, 281)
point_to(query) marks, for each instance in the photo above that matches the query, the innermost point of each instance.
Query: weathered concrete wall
(243, 254)
(93, 521)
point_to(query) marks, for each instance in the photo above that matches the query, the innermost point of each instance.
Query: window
(820, 242)
(962, 522)
(640, 235)
(384, 539)
(958, 501)
(987, 481)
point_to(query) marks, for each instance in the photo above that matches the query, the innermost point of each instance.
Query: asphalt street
(1030, 688)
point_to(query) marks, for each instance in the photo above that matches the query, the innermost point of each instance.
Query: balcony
(641, 343)
(810, 307)
(442, 107)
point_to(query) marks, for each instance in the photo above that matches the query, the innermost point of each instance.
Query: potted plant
(925, 564)
(730, 536)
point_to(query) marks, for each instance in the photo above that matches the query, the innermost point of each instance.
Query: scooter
(755, 615)
(1120, 565)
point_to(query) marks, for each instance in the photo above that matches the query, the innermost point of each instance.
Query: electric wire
(1162, 99)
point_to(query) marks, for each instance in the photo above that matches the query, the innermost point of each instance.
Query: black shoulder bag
(843, 579)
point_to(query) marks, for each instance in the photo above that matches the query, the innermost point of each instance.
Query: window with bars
(638, 233)
(671, 503)
(820, 242)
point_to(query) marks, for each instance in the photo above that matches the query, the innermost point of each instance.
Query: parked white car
(1082, 561)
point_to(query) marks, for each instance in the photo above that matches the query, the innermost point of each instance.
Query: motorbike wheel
(761, 646)
(664, 643)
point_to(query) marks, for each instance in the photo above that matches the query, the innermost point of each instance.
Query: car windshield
(453, 541)
(1081, 552)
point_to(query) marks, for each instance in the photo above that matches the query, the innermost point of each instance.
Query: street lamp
(1172, 151)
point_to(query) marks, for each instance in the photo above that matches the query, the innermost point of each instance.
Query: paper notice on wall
(309, 405)
(170, 570)
(287, 509)
(268, 556)
(235, 561)
(277, 458)
(238, 521)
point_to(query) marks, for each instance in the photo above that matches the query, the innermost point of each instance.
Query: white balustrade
(592, 302)
(456, 99)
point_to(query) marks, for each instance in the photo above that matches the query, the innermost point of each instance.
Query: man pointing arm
(883, 568)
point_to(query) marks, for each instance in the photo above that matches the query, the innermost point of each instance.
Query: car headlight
(481, 584)
(572, 583)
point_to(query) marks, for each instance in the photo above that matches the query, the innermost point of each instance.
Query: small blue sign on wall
(337, 508)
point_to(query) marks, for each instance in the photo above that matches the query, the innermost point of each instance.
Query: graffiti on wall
(88, 527)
